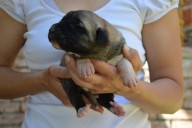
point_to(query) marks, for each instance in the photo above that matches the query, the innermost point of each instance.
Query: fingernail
(67, 59)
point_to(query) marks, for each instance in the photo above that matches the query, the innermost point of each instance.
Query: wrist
(132, 93)
(36, 82)
(42, 79)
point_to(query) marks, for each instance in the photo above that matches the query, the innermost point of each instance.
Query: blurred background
(11, 111)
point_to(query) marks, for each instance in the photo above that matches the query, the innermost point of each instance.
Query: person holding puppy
(147, 27)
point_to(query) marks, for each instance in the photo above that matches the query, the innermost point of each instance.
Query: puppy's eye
(81, 24)
(76, 24)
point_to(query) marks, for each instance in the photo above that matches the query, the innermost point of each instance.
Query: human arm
(16, 84)
(162, 42)
(164, 94)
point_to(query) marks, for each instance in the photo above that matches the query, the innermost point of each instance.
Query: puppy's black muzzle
(52, 33)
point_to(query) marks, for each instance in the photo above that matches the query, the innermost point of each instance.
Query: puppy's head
(79, 32)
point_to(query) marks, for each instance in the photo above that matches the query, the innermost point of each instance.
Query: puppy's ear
(101, 36)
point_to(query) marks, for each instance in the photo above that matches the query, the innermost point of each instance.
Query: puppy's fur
(88, 36)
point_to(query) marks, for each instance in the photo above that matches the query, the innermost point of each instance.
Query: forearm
(161, 96)
(16, 84)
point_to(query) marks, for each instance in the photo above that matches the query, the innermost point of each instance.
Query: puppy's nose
(51, 34)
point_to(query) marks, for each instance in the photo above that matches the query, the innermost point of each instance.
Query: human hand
(51, 78)
(108, 79)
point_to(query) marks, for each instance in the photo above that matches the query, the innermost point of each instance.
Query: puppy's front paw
(127, 73)
(85, 67)
(129, 80)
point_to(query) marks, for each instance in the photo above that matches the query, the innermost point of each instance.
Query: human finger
(59, 92)
(104, 68)
(59, 72)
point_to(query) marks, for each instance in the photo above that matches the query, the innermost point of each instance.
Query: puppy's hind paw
(82, 111)
(117, 109)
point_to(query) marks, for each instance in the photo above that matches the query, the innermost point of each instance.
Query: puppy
(87, 36)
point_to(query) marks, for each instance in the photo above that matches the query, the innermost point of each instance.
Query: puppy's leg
(107, 101)
(85, 67)
(93, 100)
(127, 72)
(74, 93)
